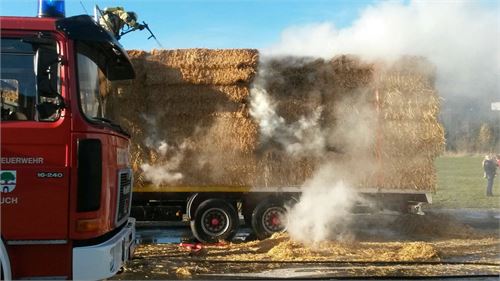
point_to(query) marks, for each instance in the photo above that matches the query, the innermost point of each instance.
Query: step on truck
(66, 183)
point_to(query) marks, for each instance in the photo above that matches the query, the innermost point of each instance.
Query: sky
(211, 24)
(461, 38)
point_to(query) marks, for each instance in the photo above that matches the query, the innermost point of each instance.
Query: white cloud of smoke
(165, 169)
(462, 38)
(298, 138)
(166, 166)
(324, 209)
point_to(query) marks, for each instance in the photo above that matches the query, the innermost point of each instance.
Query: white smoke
(323, 212)
(462, 38)
(165, 170)
(298, 138)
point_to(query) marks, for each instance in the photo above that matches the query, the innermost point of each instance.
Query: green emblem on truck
(8, 181)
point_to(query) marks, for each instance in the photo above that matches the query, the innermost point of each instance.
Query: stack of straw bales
(199, 100)
(400, 97)
(411, 134)
(195, 99)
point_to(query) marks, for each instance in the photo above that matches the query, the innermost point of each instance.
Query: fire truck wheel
(214, 220)
(269, 217)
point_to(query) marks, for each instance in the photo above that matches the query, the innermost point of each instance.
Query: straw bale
(350, 72)
(413, 173)
(187, 94)
(195, 66)
(159, 74)
(411, 134)
(231, 131)
(415, 66)
(222, 169)
(207, 58)
(226, 131)
(292, 110)
(276, 168)
(196, 99)
(137, 55)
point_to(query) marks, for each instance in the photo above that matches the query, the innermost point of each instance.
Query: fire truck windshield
(92, 86)
(24, 95)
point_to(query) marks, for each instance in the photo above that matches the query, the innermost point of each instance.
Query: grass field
(461, 184)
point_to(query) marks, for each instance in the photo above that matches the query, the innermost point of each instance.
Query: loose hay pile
(280, 247)
(197, 101)
(183, 273)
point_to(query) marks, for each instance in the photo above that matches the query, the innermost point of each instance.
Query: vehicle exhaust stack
(51, 9)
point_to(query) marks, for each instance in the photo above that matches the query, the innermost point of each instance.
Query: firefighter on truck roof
(115, 18)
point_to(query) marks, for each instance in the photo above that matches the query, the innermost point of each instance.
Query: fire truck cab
(65, 177)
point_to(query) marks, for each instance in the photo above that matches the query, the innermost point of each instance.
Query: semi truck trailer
(202, 154)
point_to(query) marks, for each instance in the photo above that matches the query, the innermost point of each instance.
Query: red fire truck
(65, 178)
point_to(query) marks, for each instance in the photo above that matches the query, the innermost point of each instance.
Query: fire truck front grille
(124, 195)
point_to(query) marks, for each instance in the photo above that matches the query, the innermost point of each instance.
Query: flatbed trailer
(214, 212)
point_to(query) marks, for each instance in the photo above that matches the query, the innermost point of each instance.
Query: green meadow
(461, 184)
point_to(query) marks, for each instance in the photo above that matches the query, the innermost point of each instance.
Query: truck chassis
(215, 214)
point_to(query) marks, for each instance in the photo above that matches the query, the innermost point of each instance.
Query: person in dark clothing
(490, 170)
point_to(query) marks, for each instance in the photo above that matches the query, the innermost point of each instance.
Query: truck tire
(214, 220)
(268, 218)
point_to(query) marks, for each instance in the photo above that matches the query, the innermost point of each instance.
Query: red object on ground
(195, 247)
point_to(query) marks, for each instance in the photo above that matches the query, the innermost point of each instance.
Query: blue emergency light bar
(51, 9)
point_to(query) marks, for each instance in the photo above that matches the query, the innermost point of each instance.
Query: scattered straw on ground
(281, 248)
(183, 272)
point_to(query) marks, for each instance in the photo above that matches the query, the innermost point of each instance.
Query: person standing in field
(490, 169)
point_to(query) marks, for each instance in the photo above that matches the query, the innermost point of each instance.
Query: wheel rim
(215, 221)
(272, 219)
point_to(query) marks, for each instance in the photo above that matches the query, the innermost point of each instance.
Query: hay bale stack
(409, 128)
(397, 102)
(195, 100)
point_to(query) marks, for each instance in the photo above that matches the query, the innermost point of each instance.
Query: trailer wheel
(214, 220)
(268, 218)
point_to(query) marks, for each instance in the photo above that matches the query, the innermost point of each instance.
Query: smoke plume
(339, 134)
(323, 211)
(168, 157)
(298, 138)
(462, 38)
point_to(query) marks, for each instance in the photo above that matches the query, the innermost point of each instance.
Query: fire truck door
(34, 173)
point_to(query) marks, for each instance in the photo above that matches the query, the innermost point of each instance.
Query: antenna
(83, 6)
